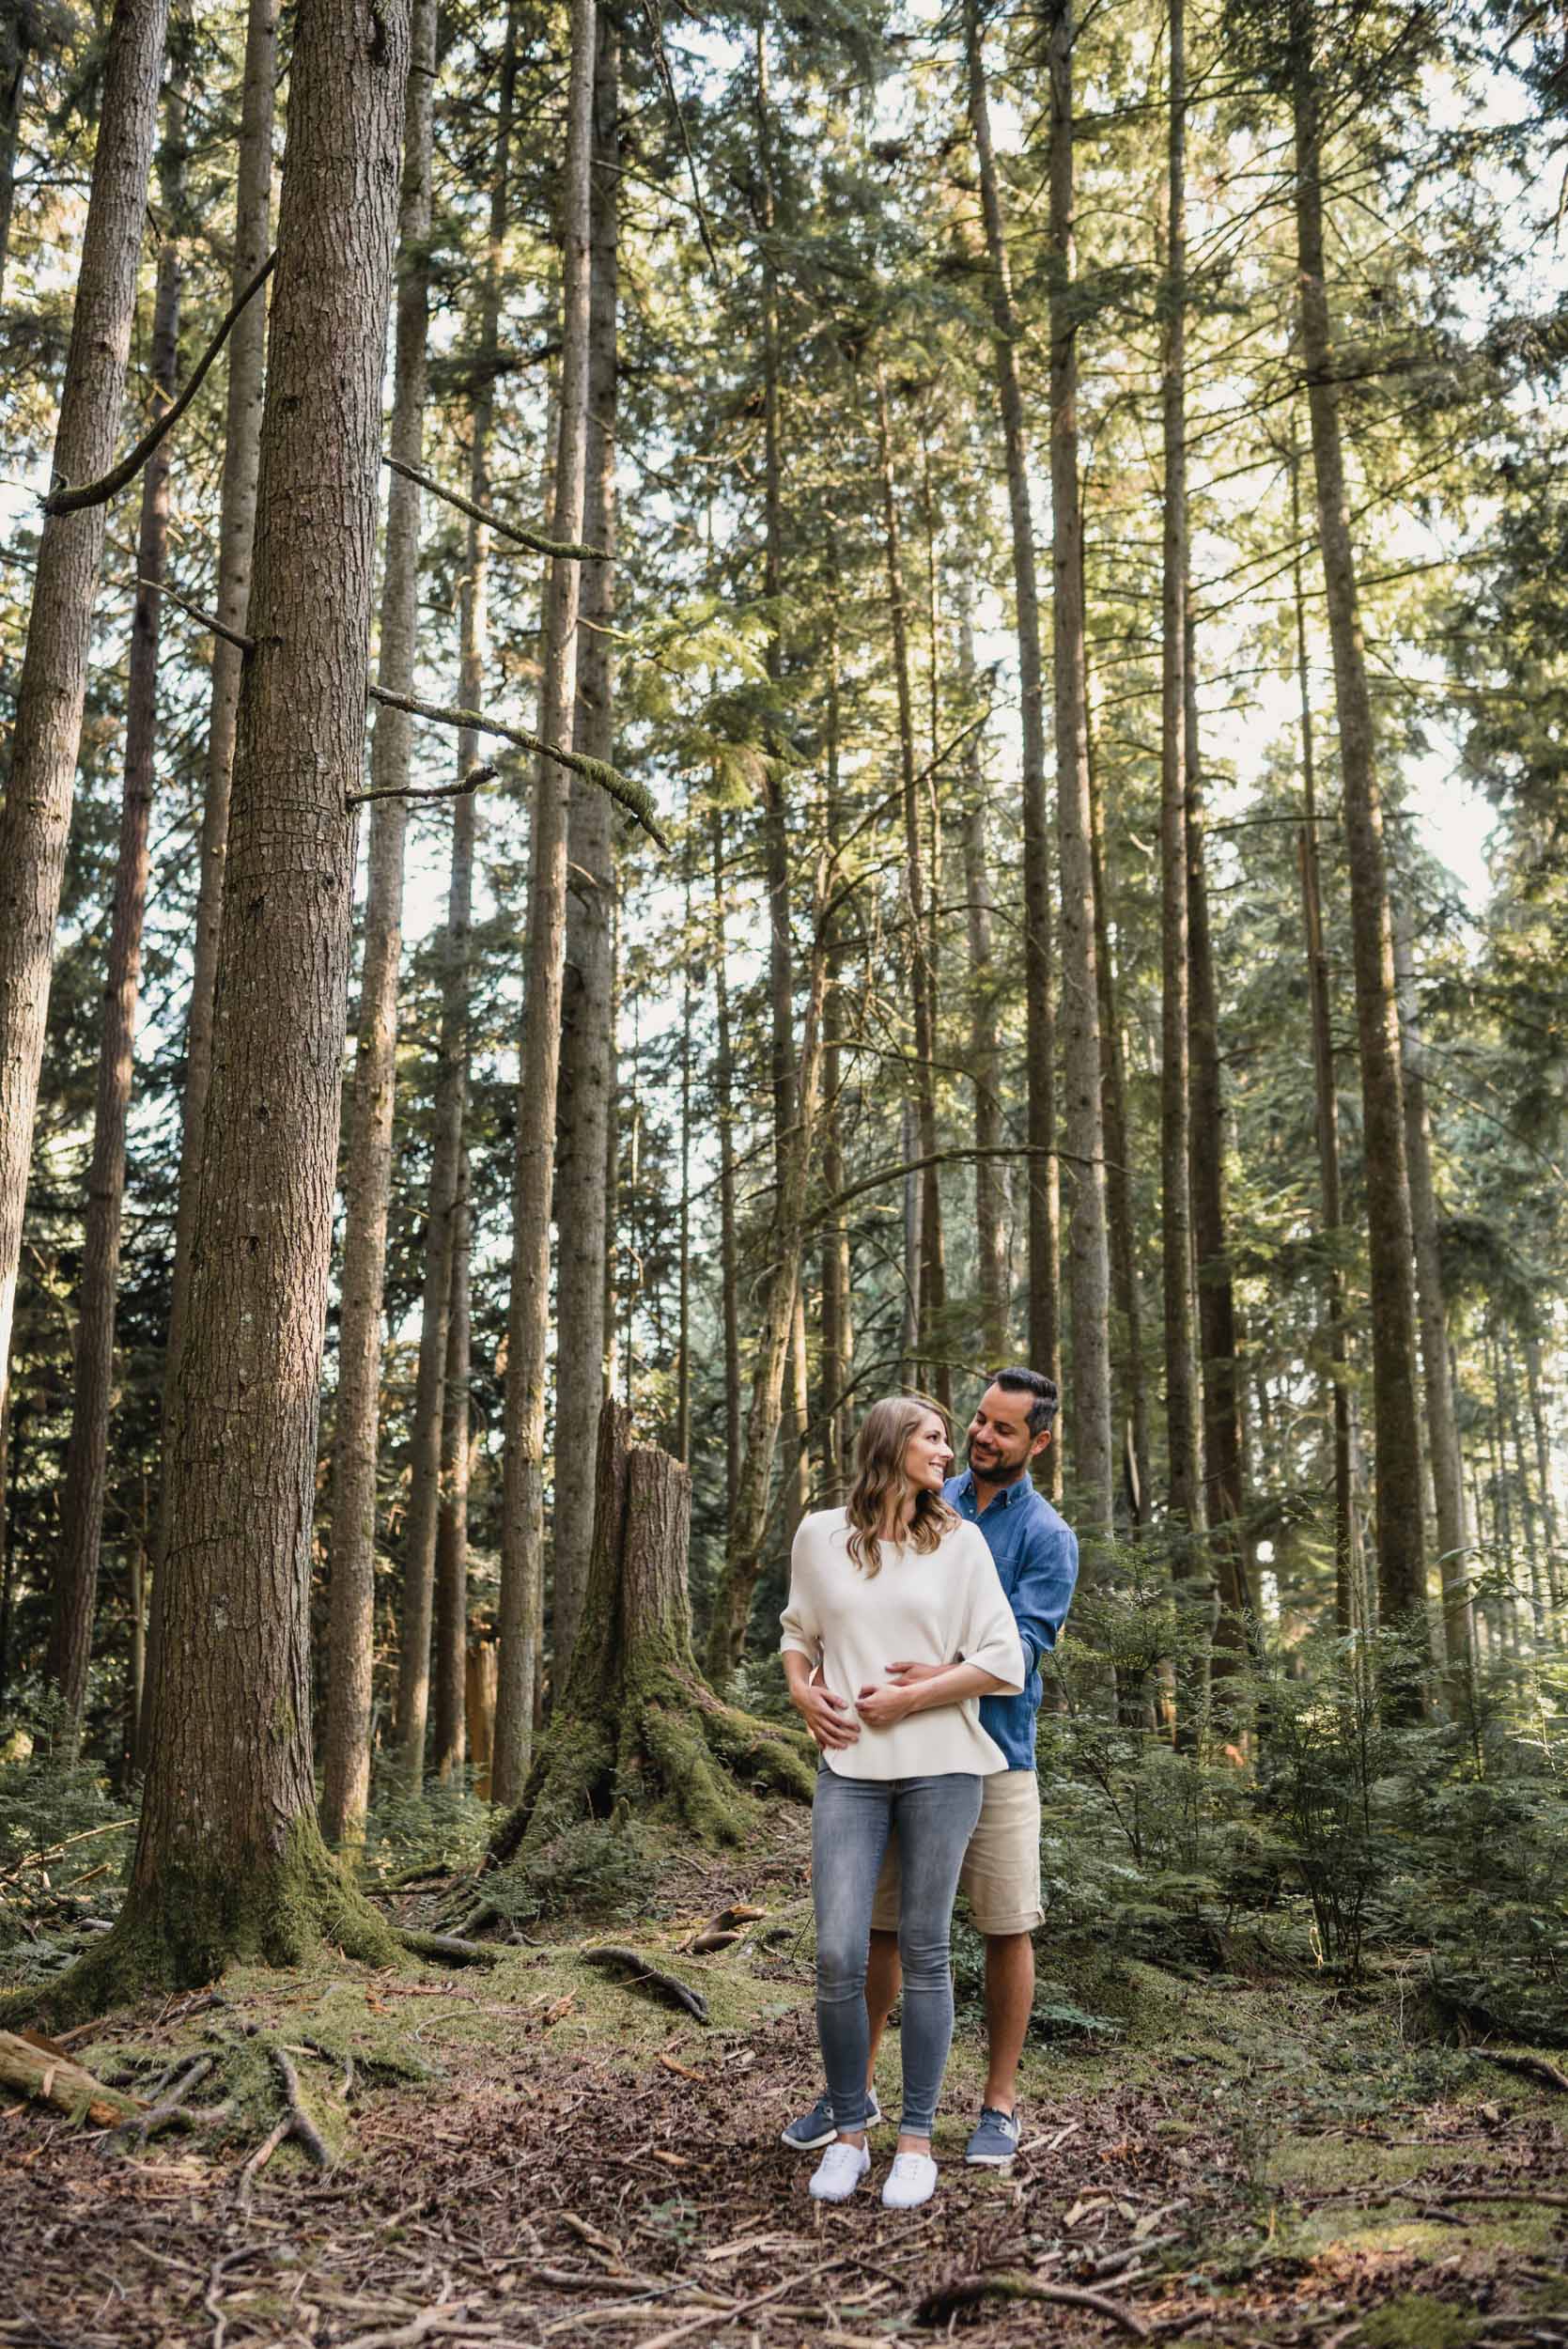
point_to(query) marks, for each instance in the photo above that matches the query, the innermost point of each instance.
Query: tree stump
(636, 1727)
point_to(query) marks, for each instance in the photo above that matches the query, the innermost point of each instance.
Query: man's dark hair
(1046, 1403)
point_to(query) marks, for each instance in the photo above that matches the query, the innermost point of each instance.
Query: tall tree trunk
(1088, 1404)
(1442, 1422)
(990, 1173)
(723, 1080)
(931, 1271)
(1223, 1449)
(16, 43)
(837, 1341)
(914, 1209)
(75, 1586)
(1543, 1459)
(748, 1525)
(449, 1676)
(1347, 1606)
(1185, 1498)
(1045, 1214)
(35, 816)
(229, 1860)
(451, 1087)
(1401, 1566)
(1120, 1213)
(520, 1613)
(587, 1098)
(683, 1346)
(246, 352)
(368, 1156)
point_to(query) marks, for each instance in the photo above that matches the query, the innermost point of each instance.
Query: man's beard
(1000, 1471)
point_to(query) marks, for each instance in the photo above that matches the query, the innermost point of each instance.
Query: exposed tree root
(451, 1948)
(643, 1975)
(638, 1729)
(181, 1928)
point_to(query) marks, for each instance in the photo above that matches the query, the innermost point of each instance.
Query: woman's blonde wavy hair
(879, 1478)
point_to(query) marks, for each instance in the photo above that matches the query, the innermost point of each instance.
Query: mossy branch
(66, 499)
(564, 550)
(637, 801)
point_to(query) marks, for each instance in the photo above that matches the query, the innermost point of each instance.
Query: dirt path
(1240, 2164)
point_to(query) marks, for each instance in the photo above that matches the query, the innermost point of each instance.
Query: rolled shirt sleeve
(1043, 1590)
(990, 1635)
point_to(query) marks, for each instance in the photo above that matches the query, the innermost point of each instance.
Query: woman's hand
(829, 1718)
(905, 1676)
(884, 1707)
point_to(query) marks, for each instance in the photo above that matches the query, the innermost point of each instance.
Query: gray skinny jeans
(851, 1821)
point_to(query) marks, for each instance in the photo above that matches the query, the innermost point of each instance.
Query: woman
(894, 1575)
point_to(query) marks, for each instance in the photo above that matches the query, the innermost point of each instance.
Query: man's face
(999, 1444)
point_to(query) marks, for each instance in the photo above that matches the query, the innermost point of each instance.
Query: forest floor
(1232, 2158)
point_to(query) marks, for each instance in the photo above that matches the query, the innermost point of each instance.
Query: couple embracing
(916, 1619)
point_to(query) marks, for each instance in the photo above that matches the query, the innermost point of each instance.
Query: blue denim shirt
(1036, 1556)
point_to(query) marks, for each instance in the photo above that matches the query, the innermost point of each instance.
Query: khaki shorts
(1002, 1867)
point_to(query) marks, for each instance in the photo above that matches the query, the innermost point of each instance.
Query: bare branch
(66, 499)
(637, 801)
(206, 619)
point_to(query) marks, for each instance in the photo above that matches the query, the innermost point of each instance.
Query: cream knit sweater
(933, 1610)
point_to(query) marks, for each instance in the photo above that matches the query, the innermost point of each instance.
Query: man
(1036, 1557)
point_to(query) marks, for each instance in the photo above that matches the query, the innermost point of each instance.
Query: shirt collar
(1007, 1495)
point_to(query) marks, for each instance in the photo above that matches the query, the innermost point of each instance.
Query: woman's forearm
(953, 1685)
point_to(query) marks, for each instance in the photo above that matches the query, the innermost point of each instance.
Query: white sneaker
(913, 2180)
(840, 2171)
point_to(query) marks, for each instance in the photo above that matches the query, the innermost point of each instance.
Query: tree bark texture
(723, 1084)
(368, 1156)
(16, 44)
(748, 1524)
(523, 1534)
(932, 1279)
(35, 816)
(451, 1089)
(1185, 1497)
(1045, 1211)
(1401, 1566)
(1442, 1422)
(1224, 1478)
(75, 1586)
(837, 1320)
(246, 351)
(1087, 1405)
(1120, 1221)
(993, 1283)
(584, 1113)
(636, 1726)
(229, 1859)
(1348, 1609)
(449, 1675)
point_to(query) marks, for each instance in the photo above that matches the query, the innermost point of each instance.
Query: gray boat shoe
(995, 2141)
(811, 2130)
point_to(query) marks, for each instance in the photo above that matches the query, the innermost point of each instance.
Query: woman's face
(929, 1456)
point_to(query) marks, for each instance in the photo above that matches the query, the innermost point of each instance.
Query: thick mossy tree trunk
(637, 1728)
(229, 1861)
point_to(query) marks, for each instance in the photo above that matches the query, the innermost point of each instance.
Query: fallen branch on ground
(967, 2292)
(43, 2072)
(172, 2107)
(66, 499)
(1437, 2196)
(643, 1976)
(452, 1947)
(1529, 2067)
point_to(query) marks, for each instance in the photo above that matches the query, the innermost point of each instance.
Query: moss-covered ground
(538, 2150)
